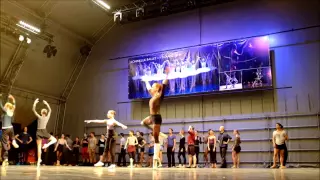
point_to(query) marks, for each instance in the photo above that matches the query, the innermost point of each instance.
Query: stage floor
(88, 173)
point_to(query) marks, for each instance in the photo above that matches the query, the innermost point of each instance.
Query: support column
(13, 69)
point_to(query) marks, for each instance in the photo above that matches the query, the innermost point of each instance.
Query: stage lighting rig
(50, 50)
(117, 17)
(140, 12)
(164, 9)
(192, 3)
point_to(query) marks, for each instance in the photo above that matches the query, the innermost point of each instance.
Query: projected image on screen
(257, 78)
(230, 80)
(215, 67)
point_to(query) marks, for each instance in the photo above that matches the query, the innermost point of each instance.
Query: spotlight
(21, 38)
(28, 40)
(139, 12)
(117, 16)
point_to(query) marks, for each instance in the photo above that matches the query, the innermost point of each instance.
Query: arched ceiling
(72, 23)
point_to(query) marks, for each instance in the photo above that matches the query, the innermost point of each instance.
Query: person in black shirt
(101, 146)
(24, 139)
(182, 149)
(84, 153)
(197, 143)
(223, 140)
(140, 148)
(76, 150)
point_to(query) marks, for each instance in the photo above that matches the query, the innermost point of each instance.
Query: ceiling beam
(50, 21)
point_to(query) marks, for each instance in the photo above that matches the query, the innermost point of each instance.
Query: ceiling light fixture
(21, 38)
(102, 4)
(28, 27)
(28, 40)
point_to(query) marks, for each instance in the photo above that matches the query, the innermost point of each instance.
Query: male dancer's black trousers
(170, 156)
(122, 156)
(223, 153)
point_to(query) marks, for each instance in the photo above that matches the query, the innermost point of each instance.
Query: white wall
(103, 83)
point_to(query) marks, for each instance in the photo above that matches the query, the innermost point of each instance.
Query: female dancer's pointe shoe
(39, 162)
(272, 167)
(283, 167)
(233, 167)
(155, 164)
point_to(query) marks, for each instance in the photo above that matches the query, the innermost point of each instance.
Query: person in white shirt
(130, 145)
(110, 143)
(278, 139)
(122, 155)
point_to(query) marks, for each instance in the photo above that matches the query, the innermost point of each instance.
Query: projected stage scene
(214, 67)
(230, 80)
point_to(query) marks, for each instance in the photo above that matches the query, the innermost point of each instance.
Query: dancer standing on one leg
(278, 140)
(7, 128)
(42, 125)
(236, 148)
(110, 143)
(154, 120)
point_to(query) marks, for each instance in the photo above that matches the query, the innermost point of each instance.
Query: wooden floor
(88, 173)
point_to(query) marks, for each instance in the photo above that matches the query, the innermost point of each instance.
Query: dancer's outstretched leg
(52, 140)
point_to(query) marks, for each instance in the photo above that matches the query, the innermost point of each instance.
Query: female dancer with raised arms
(7, 128)
(42, 132)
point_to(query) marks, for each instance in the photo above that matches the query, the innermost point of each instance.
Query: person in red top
(191, 148)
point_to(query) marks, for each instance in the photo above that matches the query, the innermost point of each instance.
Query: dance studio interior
(160, 89)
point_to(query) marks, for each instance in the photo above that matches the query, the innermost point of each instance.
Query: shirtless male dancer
(42, 128)
(154, 121)
(7, 128)
(110, 143)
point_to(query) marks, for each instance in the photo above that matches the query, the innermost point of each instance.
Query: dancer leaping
(42, 128)
(110, 143)
(154, 120)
